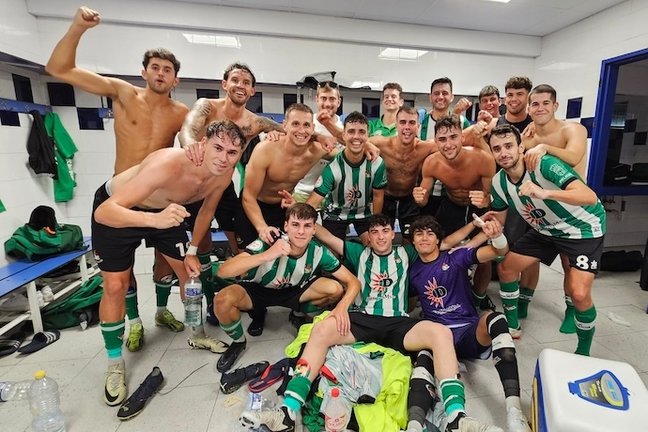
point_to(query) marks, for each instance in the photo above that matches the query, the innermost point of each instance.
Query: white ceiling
(526, 17)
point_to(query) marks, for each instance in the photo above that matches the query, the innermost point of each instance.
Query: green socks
(162, 291)
(234, 330)
(113, 335)
(526, 294)
(510, 293)
(132, 310)
(297, 392)
(585, 330)
(568, 325)
(207, 277)
(453, 396)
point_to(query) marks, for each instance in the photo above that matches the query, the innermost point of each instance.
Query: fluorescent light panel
(223, 41)
(401, 54)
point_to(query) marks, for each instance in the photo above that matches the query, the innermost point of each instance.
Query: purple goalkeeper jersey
(444, 288)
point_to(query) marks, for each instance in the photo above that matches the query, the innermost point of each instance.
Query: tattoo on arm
(265, 124)
(195, 122)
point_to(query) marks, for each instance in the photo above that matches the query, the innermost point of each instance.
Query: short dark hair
(227, 128)
(380, 219)
(449, 122)
(489, 90)
(241, 66)
(356, 117)
(427, 222)
(163, 54)
(408, 110)
(544, 88)
(442, 80)
(298, 107)
(518, 82)
(393, 86)
(301, 211)
(505, 129)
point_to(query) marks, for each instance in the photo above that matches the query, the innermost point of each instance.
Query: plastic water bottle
(193, 302)
(14, 390)
(48, 417)
(336, 413)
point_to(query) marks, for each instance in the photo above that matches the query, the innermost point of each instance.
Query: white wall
(571, 62)
(19, 35)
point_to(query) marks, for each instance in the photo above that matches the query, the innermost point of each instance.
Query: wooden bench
(25, 273)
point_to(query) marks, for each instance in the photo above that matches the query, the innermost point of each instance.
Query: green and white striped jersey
(384, 286)
(549, 217)
(288, 271)
(348, 188)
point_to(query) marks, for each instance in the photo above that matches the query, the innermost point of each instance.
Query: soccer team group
(507, 188)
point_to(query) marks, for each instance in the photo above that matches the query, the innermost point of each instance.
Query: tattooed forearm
(195, 122)
(265, 124)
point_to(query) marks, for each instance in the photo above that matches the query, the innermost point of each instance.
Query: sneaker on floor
(228, 358)
(136, 402)
(166, 319)
(516, 421)
(258, 322)
(469, 424)
(208, 343)
(115, 387)
(232, 381)
(515, 333)
(277, 420)
(298, 320)
(487, 304)
(135, 339)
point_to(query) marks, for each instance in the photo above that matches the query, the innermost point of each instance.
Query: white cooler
(574, 393)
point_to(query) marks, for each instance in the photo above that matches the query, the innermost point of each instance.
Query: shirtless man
(238, 83)
(146, 119)
(392, 100)
(466, 174)
(568, 142)
(271, 175)
(147, 202)
(403, 155)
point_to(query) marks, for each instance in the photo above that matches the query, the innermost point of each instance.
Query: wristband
(499, 242)
(192, 250)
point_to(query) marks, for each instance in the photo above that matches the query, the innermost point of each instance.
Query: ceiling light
(372, 84)
(222, 41)
(498, 1)
(401, 54)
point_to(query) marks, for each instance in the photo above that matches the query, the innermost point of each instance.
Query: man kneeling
(284, 274)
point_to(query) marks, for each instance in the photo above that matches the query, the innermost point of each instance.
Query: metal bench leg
(84, 268)
(34, 309)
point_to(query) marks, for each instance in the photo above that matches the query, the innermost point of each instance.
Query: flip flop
(40, 341)
(270, 376)
(9, 346)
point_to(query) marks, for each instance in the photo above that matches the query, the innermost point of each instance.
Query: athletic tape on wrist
(192, 250)
(499, 242)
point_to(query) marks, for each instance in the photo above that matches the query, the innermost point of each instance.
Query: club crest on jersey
(308, 268)
(445, 266)
(435, 293)
(319, 182)
(381, 281)
(255, 246)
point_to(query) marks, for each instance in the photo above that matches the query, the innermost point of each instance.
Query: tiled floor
(78, 362)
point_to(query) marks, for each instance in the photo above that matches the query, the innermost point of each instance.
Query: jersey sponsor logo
(353, 195)
(435, 293)
(281, 283)
(534, 215)
(381, 281)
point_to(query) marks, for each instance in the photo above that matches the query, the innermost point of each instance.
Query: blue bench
(25, 273)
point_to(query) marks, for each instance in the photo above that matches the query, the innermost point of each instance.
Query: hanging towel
(64, 183)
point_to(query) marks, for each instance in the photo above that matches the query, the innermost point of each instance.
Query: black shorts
(339, 228)
(115, 247)
(466, 344)
(404, 209)
(386, 331)
(515, 227)
(273, 214)
(228, 209)
(583, 254)
(263, 297)
(452, 216)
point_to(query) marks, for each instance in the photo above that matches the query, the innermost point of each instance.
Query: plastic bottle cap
(39, 374)
(335, 392)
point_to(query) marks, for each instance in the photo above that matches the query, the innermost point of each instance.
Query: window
(9, 118)
(61, 94)
(89, 119)
(255, 104)
(207, 93)
(409, 103)
(371, 107)
(289, 99)
(22, 85)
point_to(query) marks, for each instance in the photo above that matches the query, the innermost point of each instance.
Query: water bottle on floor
(45, 401)
(14, 390)
(193, 302)
(336, 413)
